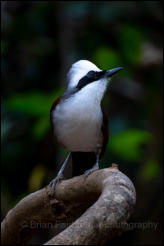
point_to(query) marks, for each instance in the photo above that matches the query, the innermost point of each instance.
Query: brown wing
(105, 132)
(55, 103)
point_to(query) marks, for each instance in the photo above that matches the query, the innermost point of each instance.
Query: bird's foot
(89, 171)
(56, 181)
(59, 176)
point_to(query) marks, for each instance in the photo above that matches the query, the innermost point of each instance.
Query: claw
(56, 181)
(89, 171)
(94, 168)
(59, 176)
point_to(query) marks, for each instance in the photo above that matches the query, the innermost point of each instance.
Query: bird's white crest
(78, 70)
(91, 92)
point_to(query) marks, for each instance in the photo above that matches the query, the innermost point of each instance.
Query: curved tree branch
(109, 190)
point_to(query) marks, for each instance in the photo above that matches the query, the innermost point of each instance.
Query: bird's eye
(90, 73)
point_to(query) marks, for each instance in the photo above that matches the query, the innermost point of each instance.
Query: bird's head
(83, 73)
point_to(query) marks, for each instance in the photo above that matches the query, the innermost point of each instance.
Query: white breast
(77, 123)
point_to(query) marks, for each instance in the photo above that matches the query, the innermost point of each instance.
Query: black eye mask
(89, 78)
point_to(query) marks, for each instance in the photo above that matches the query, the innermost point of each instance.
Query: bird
(78, 121)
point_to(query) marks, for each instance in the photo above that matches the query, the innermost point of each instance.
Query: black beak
(111, 72)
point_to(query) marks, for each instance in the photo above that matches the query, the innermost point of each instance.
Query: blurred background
(39, 42)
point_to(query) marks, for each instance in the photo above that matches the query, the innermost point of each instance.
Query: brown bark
(109, 190)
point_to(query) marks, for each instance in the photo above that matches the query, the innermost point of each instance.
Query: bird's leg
(95, 167)
(59, 176)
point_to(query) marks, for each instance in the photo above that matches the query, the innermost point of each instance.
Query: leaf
(36, 104)
(41, 127)
(106, 58)
(151, 169)
(33, 103)
(128, 144)
(130, 41)
(36, 177)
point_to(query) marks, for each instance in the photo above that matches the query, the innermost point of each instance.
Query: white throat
(78, 119)
(92, 94)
